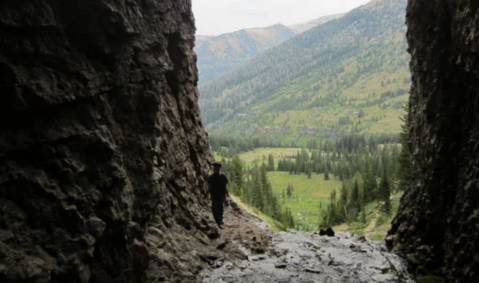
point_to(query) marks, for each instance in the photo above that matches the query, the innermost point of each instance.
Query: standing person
(217, 183)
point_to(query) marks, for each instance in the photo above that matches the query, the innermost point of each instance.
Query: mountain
(202, 39)
(350, 74)
(217, 55)
(302, 27)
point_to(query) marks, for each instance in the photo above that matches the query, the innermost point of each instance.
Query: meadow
(311, 195)
(308, 192)
(260, 154)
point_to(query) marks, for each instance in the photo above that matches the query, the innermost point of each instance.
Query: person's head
(217, 167)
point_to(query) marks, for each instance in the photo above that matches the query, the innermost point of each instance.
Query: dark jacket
(217, 184)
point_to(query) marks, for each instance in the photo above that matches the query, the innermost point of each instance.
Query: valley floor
(296, 256)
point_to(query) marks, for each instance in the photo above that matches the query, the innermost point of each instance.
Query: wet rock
(315, 269)
(257, 258)
(222, 245)
(390, 241)
(282, 263)
(242, 265)
(209, 258)
(338, 263)
(229, 266)
(360, 239)
(100, 140)
(279, 252)
(259, 250)
(358, 249)
(311, 246)
(441, 200)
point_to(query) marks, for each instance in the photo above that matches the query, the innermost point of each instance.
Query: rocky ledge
(296, 256)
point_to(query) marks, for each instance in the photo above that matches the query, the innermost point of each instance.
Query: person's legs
(217, 209)
(220, 213)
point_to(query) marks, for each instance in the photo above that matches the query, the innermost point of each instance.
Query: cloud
(215, 17)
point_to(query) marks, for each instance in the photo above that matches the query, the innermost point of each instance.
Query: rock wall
(103, 156)
(438, 221)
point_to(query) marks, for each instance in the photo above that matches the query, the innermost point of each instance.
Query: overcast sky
(214, 17)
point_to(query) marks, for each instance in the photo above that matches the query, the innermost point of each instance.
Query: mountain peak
(304, 26)
(319, 82)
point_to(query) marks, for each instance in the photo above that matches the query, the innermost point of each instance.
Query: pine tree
(344, 195)
(326, 174)
(256, 188)
(384, 192)
(270, 162)
(370, 184)
(404, 168)
(343, 202)
(237, 171)
(355, 193)
(265, 192)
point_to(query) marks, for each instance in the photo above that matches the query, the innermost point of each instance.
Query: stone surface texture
(103, 157)
(438, 222)
(306, 257)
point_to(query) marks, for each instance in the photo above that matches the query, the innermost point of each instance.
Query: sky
(214, 17)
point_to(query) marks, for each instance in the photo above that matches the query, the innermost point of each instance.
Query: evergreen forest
(349, 75)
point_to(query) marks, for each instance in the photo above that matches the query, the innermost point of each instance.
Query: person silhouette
(217, 183)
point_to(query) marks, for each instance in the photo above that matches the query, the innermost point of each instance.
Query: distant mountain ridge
(350, 74)
(302, 27)
(219, 54)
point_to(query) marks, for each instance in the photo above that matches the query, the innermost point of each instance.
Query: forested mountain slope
(302, 27)
(348, 74)
(217, 55)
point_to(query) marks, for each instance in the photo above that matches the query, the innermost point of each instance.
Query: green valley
(348, 180)
(310, 131)
(307, 196)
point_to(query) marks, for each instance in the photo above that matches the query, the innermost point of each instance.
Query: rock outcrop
(438, 221)
(297, 256)
(103, 156)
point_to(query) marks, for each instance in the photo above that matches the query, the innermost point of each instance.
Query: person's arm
(227, 194)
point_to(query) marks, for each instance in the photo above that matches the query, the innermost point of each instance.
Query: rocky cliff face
(438, 220)
(103, 156)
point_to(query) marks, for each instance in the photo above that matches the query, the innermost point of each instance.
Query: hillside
(217, 55)
(350, 74)
(302, 27)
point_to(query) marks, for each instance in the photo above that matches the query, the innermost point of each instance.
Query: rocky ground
(296, 256)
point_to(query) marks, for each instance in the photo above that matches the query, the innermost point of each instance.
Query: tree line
(253, 188)
(378, 174)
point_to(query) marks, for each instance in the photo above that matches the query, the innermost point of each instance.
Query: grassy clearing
(307, 195)
(378, 223)
(258, 153)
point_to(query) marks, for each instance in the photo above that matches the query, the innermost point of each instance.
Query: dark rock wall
(103, 156)
(438, 221)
